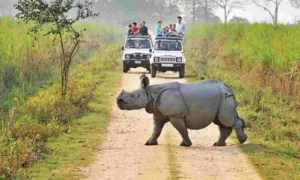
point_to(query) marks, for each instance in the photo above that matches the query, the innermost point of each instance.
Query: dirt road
(124, 155)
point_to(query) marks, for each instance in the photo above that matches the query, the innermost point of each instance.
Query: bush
(32, 120)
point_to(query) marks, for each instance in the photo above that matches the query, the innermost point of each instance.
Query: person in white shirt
(180, 27)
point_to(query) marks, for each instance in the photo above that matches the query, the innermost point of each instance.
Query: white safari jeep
(167, 55)
(137, 52)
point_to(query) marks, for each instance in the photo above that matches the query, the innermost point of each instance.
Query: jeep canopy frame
(169, 38)
(139, 36)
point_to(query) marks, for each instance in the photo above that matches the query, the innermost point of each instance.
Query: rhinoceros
(186, 106)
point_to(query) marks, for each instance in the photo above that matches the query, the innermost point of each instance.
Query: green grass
(26, 69)
(252, 59)
(77, 149)
(32, 111)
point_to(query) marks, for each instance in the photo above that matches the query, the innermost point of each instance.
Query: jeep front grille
(138, 56)
(167, 59)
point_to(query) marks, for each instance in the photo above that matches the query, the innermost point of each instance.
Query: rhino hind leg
(224, 134)
(239, 129)
(179, 124)
(228, 116)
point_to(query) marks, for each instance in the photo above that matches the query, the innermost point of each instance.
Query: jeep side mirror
(122, 48)
(150, 50)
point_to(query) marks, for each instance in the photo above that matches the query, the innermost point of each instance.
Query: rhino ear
(144, 81)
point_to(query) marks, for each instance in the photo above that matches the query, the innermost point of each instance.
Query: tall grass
(261, 63)
(25, 68)
(271, 53)
(31, 108)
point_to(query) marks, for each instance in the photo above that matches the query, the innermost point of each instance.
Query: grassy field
(34, 119)
(87, 133)
(262, 65)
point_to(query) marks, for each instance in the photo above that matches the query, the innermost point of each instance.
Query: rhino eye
(139, 95)
(132, 95)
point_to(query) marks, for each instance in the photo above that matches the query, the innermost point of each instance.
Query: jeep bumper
(136, 63)
(167, 67)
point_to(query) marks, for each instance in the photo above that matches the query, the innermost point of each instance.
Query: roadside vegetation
(31, 107)
(262, 64)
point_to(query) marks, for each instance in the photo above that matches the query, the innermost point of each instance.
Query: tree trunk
(225, 15)
(170, 4)
(194, 11)
(276, 14)
(206, 12)
(64, 81)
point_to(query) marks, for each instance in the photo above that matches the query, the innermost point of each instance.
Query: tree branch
(266, 9)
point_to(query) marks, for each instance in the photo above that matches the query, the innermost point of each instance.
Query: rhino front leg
(224, 134)
(159, 123)
(179, 124)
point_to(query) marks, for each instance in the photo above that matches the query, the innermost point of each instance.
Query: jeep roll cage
(169, 38)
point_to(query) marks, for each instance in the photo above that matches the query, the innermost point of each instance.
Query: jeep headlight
(179, 59)
(156, 59)
(127, 56)
(149, 56)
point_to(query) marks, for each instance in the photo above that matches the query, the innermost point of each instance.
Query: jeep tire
(125, 68)
(149, 69)
(181, 72)
(153, 71)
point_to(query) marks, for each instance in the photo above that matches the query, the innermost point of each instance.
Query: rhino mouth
(121, 102)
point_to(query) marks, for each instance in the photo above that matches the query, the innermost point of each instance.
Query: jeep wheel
(181, 72)
(125, 68)
(149, 69)
(153, 72)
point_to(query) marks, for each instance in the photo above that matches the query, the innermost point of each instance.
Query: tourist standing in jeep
(180, 27)
(143, 29)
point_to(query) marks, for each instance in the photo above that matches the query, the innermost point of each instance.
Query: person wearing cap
(158, 29)
(180, 27)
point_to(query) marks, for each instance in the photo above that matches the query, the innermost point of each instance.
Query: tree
(54, 14)
(295, 3)
(227, 6)
(265, 5)
(239, 20)
(199, 10)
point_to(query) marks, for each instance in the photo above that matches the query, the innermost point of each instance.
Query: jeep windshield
(168, 46)
(138, 44)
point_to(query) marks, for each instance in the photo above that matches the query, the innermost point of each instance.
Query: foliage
(199, 11)
(236, 19)
(125, 12)
(262, 65)
(25, 69)
(54, 14)
(47, 115)
(87, 133)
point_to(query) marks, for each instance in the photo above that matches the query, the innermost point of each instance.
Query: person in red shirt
(135, 29)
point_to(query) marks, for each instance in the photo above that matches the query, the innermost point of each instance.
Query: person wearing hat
(180, 27)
